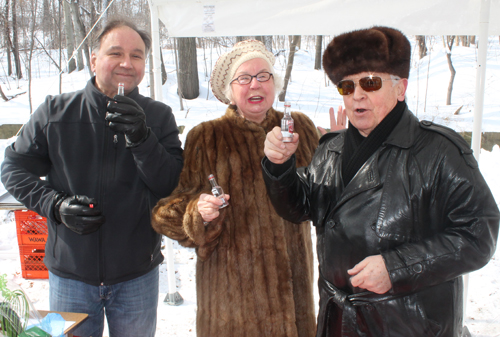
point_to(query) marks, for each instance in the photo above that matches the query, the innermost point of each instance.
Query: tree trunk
(188, 68)
(70, 36)
(104, 18)
(8, 41)
(60, 45)
(163, 70)
(449, 45)
(78, 37)
(317, 58)
(239, 39)
(268, 42)
(15, 41)
(422, 48)
(289, 65)
(34, 5)
(80, 32)
(179, 93)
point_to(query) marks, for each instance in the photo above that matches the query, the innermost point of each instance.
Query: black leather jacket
(421, 202)
(67, 140)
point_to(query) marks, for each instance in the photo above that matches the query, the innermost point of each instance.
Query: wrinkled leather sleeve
(288, 192)
(458, 217)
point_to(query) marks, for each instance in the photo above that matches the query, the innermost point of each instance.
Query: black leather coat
(421, 202)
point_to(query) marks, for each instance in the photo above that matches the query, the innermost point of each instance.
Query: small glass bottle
(287, 125)
(217, 191)
(121, 89)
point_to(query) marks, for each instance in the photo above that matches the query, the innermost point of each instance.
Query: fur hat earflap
(377, 49)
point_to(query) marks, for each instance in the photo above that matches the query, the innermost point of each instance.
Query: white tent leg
(173, 297)
(155, 49)
(480, 77)
(484, 20)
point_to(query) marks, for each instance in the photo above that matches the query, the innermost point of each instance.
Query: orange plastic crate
(31, 228)
(32, 261)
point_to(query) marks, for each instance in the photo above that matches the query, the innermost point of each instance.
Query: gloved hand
(127, 117)
(76, 213)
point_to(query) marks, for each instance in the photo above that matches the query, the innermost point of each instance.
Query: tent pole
(480, 77)
(173, 297)
(484, 20)
(155, 49)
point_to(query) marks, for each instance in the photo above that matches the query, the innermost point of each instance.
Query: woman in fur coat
(254, 274)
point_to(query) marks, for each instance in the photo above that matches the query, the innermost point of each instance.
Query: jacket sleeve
(159, 158)
(177, 216)
(287, 185)
(461, 219)
(26, 161)
(288, 192)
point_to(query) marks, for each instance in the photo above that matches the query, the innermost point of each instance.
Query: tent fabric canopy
(199, 18)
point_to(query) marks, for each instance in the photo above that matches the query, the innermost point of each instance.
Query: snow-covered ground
(311, 93)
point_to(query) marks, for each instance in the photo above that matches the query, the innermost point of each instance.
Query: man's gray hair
(117, 23)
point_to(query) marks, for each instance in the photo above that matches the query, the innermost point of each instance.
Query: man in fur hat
(400, 207)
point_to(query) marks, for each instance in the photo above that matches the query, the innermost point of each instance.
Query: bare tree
(80, 33)
(189, 85)
(8, 41)
(15, 40)
(293, 45)
(318, 48)
(104, 5)
(33, 12)
(422, 48)
(448, 41)
(70, 36)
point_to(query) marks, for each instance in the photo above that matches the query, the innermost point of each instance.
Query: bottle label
(287, 128)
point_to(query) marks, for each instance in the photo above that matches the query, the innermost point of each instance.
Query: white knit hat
(228, 63)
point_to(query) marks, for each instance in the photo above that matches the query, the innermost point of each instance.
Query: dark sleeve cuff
(277, 170)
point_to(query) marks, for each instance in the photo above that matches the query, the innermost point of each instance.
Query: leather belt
(347, 303)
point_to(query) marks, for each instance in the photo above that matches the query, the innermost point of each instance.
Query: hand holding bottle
(209, 206)
(276, 150)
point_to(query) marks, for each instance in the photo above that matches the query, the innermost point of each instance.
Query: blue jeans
(130, 306)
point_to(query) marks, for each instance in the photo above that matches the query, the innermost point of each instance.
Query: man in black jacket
(107, 160)
(400, 207)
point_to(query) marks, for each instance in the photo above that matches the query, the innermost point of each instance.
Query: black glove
(126, 116)
(78, 213)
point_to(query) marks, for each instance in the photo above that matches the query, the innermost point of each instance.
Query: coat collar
(402, 136)
(98, 100)
(404, 133)
(272, 119)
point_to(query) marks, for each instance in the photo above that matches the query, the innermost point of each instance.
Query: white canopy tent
(205, 18)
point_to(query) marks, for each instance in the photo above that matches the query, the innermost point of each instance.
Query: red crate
(31, 228)
(32, 261)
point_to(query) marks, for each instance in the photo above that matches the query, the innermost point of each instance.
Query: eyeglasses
(246, 79)
(368, 84)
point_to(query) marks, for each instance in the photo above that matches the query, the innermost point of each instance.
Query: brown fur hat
(377, 49)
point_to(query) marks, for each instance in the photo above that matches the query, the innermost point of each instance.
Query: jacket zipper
(103, 182)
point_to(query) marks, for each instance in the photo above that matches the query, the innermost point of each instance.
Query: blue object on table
(53, 323)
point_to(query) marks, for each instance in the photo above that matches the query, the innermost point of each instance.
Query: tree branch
(46, 52)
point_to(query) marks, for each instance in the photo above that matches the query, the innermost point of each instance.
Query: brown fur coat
(254, 273)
